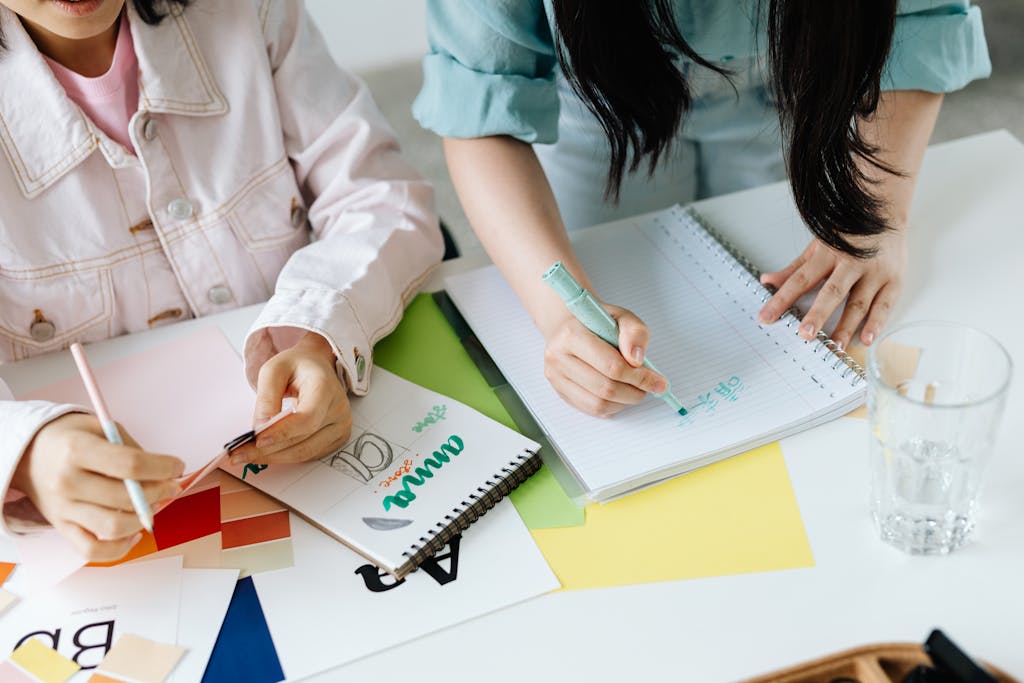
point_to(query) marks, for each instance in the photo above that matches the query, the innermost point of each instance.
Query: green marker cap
(562, 282)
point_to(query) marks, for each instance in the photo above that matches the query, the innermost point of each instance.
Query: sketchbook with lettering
(743, 383)
(419, 469)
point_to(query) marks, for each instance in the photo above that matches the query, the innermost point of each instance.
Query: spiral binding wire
(480, 501)
(823, 341)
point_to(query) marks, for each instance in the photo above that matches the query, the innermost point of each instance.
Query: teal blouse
(492, 63)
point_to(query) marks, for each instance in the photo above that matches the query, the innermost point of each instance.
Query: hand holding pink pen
(138, 498)
(74, 477)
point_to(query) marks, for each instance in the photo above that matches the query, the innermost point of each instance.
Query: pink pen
(138, 498)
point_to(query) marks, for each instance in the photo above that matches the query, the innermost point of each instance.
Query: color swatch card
(743, 383)
(333, 607)
(82, 616)
(418, 467)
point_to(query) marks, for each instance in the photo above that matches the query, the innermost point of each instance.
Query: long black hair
(826, 60)
(150, 11)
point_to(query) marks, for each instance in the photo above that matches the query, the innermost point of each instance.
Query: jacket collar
(44, 134)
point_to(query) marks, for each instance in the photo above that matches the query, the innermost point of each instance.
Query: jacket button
(42, 330)
(219, 295)
(298, 216)
(149, 129)
(180, 208)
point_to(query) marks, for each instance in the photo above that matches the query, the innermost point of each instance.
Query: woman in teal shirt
(563, 113)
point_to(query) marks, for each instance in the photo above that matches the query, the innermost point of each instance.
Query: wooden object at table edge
(883, 663)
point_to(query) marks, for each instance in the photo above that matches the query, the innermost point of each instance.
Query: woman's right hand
(594, 376)
(75, 478)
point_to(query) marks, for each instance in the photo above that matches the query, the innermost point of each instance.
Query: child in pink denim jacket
(165, 160)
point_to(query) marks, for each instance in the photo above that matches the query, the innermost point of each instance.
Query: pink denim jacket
(262, 171)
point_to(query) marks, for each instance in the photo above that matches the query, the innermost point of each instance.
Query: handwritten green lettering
(442, 455)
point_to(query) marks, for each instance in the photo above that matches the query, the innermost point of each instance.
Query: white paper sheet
(94, 606)
(321, 613)
(744, 383)
(205, 595)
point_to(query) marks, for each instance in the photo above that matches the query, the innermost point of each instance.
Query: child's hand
(591, 374)
(322, 421)
(75, 478)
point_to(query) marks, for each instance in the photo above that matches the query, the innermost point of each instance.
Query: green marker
(592, 315)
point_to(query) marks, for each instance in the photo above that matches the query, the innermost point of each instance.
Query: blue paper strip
(244, 650)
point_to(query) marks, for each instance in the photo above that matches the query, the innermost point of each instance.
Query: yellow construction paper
(45, 663)
(736, 516)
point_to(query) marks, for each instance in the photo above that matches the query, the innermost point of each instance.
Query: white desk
(967, 249)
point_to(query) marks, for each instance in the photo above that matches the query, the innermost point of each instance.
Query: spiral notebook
(743, 383)
(419, 469)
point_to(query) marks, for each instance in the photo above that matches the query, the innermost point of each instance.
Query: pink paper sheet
(185, 398)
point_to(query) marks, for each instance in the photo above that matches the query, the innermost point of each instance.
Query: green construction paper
(426, 351)
(542, 503)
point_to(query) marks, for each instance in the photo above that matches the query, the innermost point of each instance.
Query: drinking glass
(935, 398)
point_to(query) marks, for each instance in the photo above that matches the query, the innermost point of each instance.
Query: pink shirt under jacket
(249, 143)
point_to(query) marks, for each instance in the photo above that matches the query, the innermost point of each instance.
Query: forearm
(900, 130)
(510, 205)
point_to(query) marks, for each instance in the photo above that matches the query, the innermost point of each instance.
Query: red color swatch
(188, 518)
(260, 529)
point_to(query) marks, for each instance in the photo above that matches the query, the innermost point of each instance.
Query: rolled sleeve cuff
(325, 312)
(22, 421)
(937, 52)
(458, 102)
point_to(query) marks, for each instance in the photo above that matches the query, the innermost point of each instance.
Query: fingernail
(265, 441)
(766, 316)
(136, 538)
(869, 337)
(638, 355)
(661, 386)
(807, 330)
(238, 459)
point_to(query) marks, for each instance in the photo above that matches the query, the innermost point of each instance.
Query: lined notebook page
(742, 382)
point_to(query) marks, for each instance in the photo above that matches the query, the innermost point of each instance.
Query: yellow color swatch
(46, 664)
(141, 659)
(201, 553)
(259, 557)
(736, 516)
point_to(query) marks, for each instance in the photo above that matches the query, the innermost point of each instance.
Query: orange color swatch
(269, 527)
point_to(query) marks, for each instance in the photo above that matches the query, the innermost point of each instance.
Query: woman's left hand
(870, 286)
(322, 421)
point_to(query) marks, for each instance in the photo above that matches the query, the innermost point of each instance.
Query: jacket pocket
(49, 313)
(270, 214)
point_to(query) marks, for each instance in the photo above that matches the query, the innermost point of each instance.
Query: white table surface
(967, 257)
